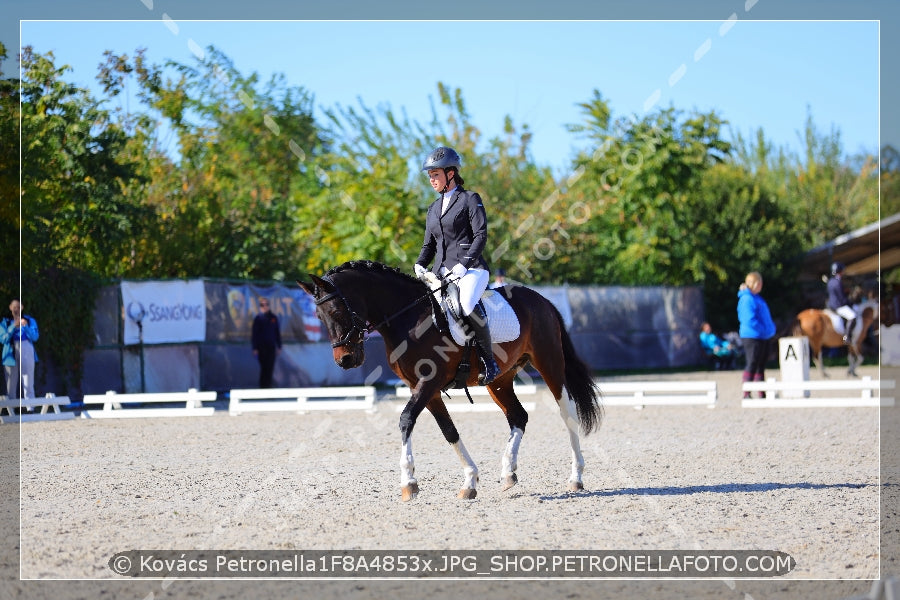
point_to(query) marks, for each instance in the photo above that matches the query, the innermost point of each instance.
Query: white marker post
(793, 357)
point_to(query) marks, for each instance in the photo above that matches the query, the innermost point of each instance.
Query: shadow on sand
(725, 488)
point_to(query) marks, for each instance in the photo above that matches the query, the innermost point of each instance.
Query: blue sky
(766, 74)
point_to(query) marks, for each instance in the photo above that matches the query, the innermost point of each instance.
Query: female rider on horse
(838, 301)
(455, 237)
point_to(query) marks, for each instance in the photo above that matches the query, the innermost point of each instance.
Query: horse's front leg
(517, 418)
(509, 462)
(853, 360)
(409, 486)
(470, 469)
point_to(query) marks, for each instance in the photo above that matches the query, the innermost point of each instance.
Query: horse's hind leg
(553, 374)
(569, 416)
(470, 470)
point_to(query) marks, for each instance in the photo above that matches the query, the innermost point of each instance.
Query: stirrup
(491, 371)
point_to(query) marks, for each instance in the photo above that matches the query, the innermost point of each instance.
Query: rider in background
(455, 237)
(838, 301)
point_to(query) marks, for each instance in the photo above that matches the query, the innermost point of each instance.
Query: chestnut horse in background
(816, 325)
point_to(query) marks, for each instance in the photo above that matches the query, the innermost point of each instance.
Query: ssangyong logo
(171, 312)
(176, 312)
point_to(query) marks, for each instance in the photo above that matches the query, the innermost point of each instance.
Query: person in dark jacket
(266, 340)
(756, 328)
(838, 301)
(455, 237)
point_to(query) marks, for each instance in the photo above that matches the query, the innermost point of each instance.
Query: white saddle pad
(502, 320)
(836, 321)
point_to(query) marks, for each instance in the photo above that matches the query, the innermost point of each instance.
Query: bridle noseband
(358, 324)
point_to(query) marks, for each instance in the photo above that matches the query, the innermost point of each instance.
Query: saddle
(840, 324)
(447, 315)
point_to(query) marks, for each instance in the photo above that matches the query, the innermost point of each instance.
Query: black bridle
(359, 325)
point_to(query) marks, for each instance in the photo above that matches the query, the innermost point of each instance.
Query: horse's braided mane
(369, 265)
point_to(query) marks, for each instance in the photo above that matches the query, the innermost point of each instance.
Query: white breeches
(846, 312)
(471, 287)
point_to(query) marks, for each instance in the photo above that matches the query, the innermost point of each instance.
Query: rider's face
(437, 178)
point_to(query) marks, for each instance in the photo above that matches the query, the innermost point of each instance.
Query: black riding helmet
(442, 157)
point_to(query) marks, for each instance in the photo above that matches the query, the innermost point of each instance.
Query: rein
(360, 325)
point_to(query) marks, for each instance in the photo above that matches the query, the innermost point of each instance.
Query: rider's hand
(419, 270)
(458, 270)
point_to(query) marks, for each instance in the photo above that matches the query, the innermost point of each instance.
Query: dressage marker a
(864, 385)
(113, 405)
(300, 400)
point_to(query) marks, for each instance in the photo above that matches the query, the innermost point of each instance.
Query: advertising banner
(295, 309)
(161, 312)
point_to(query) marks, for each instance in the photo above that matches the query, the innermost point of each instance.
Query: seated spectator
(721, 352)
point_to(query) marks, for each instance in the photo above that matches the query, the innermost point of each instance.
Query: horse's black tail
(796, 328)
(580, 385)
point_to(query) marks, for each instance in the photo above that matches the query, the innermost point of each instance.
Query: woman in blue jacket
(18, 334)
(756, 328)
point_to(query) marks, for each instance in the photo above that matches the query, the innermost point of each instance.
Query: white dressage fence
(301, 400)
(658, 393)
(42, 409)
(772, 388)
(112, 405)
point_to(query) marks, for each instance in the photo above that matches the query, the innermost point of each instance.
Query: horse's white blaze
(470, 470)
(407, 466)
(569, 416)
(511, 456)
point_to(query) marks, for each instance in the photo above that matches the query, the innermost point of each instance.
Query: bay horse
(359, 297)
(816, 324)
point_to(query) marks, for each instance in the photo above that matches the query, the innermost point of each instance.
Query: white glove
(458, 270)
(419, 270)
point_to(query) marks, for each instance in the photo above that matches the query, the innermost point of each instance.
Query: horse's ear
(306, 287)
(320, 283)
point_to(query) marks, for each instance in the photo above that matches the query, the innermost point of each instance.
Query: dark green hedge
(62, 302)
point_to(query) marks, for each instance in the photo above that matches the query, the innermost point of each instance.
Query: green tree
(246, 159)
(9, 168)
(742, 227)
(74, 216)
(75, 166)
(636, 186)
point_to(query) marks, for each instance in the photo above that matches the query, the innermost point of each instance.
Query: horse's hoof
(509, 481)
(576, 486)
(467, 494)
(409, 492)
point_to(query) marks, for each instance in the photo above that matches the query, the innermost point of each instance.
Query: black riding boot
(482, 335)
